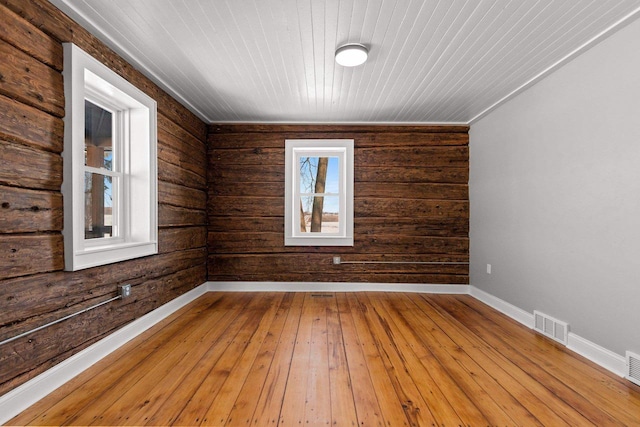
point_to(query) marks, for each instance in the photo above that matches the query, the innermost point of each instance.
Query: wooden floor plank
(451, 406)
(398, 367)
(368, 410)
(271, 396)
(391, 404)
(214, 370)
(245, 404)
(218, 412)
(366, 359)
(317, 409)
(294, 402)
(343, 409)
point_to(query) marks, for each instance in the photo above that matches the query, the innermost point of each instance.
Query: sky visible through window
(308, 173)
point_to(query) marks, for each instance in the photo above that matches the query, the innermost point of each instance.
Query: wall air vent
(553, 328)
(633, 367)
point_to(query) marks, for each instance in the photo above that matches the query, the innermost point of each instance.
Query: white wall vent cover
(633, 367)
(553, 328)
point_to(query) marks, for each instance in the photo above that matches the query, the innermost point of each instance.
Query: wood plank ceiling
(446, 61)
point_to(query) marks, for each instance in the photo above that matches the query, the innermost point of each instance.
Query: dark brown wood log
(228, 174)
(179, 195)
(412, 156)
(30, 126)
(411, 191)
(387, 278)
(411, 208)
(363, 207)
(251, 156)
(259, 242)
(177, 175)
(248, 189)
(172, 151)
(178, 133)
(322, 264)
(30, 81)
(26, 37)
(42, 296)
(434, 227)
(24, 254)
(412, 173)
(29, 168)
(25, 211)
(180, 239)
(245, 206)
(175, 216)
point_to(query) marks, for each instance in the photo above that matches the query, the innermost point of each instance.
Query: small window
(319, 192)
(109, 187)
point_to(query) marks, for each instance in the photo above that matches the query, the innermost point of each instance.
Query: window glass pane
(98, 206)
(319, 214)
(98, 136)
(319, 175)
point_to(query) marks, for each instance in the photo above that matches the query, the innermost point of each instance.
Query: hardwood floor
(367, 359)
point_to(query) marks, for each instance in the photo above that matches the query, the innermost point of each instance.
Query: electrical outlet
(336, 260)
(488, 268)
(124, 291)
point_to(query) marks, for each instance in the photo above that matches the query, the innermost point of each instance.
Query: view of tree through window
(319, 194)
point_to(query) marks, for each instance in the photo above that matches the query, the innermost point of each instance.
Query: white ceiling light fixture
(351, 55)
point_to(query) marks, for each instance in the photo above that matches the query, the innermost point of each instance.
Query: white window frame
(135, 137)
(296, 148)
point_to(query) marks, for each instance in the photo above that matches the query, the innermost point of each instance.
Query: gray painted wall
(555, 195)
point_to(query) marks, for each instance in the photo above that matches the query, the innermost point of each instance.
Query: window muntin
(319, 199)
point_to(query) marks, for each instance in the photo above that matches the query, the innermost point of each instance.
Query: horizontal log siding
(33, 288)
(411, 204)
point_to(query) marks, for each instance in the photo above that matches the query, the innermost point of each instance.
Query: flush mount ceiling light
(351, 55)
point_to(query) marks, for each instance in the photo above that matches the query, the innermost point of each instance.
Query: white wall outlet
(336, 260)
(488, 268)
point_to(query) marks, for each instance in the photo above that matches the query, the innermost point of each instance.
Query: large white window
(109, 186)
(319, 192)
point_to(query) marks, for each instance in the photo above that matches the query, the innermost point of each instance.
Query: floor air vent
(633, 367)
(551, 327)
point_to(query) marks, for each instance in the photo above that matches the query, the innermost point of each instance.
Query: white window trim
(342, 148)
(87, 78)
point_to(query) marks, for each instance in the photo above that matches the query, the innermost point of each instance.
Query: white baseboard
(592, 351)
(502, 306)
(335, 287)
(25, 395)
(597, 354)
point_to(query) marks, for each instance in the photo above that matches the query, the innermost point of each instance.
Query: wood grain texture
(368, 359)
(25, 211)
(411, 201)
(34, 289)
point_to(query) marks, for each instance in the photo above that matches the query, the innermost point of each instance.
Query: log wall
(33, 288)
(411, 204)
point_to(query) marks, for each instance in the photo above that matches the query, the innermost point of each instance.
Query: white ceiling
(431, 61)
